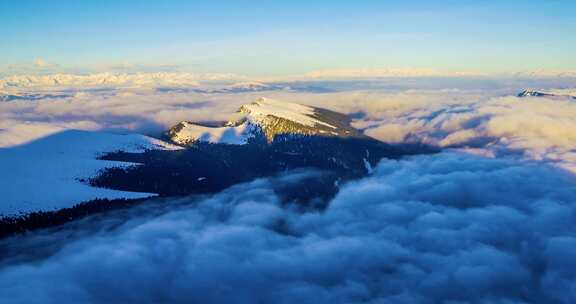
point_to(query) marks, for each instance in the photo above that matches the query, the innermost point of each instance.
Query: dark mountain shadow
(205, 168)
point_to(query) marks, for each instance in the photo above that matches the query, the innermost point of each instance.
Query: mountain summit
(555, 93)
(272, 137)
(266, 119)
(531, 93)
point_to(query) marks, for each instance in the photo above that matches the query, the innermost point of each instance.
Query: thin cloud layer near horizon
(280, 38)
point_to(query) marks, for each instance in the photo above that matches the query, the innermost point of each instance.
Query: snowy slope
(43, 174)
(186, 132)
(260, 111)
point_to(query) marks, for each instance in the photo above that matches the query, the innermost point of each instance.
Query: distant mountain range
(185, 79)
(109, 79)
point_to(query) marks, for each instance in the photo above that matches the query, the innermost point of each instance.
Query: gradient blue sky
(290, 37)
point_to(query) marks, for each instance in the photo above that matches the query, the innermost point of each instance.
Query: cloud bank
(454, 227)
(480, 116)
(530, 128)
(119, 111)
(449, 227)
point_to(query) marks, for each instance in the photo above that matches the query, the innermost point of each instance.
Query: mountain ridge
(556, 93)
(266, 119)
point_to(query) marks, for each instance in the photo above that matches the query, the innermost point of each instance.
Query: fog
(429, 228)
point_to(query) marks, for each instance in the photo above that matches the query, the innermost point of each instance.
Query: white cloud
(447, 227)
(533, 128)
(41, 63)
(141, 111)
(537, 128)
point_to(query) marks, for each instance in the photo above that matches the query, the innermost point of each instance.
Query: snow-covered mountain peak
(570, 93)
(267, 118)
(263, 109)
(530, 93)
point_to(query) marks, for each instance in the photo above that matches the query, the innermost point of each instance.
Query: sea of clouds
(481, 115)
(451, 227)
(487, 221)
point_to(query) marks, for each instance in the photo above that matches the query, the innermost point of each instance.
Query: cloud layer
(530, 128)
(126, 110)
(449, 227)
(481, 116)
(454, 226)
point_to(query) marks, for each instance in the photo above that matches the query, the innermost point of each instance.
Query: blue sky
(291, 37)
